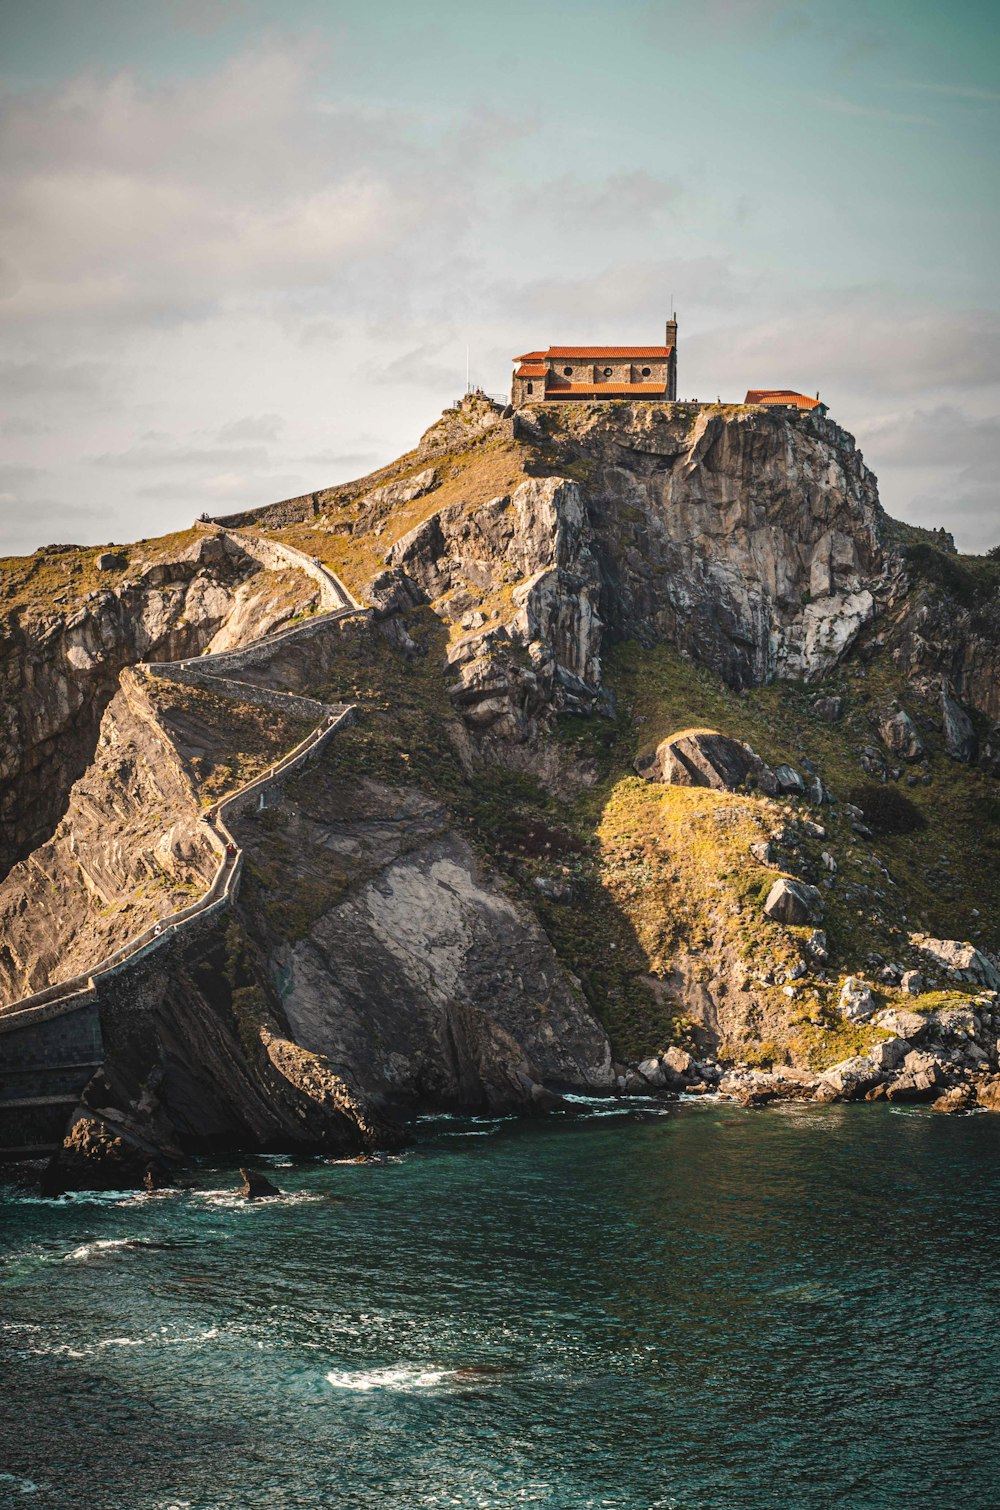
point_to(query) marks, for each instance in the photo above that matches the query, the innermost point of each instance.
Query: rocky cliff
(69, 628)
(504, 881)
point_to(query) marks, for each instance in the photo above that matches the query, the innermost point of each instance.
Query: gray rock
(404, 491)
(392, 591)
(679, 1061)
(959, 735)
(856, 1000)
(899, 733)
(789, 781)
(889, 1054)
(912, 982)
(817, 946)
(702, 757)
(793, 902)
(853, 1076)
(962, 960)
(831, 709)
(909, 1025)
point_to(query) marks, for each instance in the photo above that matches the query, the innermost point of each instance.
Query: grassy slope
(660, 872)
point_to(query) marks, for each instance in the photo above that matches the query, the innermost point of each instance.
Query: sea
(644, 1307)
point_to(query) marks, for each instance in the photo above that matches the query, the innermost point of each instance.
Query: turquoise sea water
(700, 1309)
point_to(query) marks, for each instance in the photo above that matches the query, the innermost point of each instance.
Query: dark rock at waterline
(256, 1186)
(97, 1156)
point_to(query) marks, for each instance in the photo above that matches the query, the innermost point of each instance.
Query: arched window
(645, 372)
(567, 372)
(531, 387)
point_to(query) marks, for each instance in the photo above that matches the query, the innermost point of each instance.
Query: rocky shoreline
(948, 1059)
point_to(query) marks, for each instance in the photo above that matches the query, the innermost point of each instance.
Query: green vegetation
(660, 890)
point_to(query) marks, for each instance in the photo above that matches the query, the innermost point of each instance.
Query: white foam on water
(400, 1378)
(101, 1245)
(231, 1200)
(20, 1486)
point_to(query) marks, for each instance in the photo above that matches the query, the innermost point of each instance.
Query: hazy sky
(245, 244)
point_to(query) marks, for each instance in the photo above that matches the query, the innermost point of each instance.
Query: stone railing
(337, 603)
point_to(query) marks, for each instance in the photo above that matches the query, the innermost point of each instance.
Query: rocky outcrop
(546, 656)
(943, 632)
(793, 902)
(419, 978)
(703, 757)
(128, 849)
(962, 962)
(748, 539)
(59, 668)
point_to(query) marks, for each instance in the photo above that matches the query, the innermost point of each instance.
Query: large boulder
(793, 902)
(854, 1076)
(391, 591)
(856, 1000)
(962, 960)
(899, 733)
(959, 734)
(703, 757)
(904, 1024)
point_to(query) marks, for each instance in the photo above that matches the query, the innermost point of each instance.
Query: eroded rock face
(747, 539)
(423, 981)
(59, 671)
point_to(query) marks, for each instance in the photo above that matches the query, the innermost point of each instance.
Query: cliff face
(63, 644)
(486, 890)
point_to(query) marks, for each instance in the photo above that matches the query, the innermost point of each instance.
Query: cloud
(148, 204)
(637, 199)
(45, 378)
(856, 345)
(951, 91)
(261, 427)
(162, 453)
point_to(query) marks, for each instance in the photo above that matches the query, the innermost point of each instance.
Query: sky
(245, 246)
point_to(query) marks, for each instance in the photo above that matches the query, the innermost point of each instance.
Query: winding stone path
(25, 1053)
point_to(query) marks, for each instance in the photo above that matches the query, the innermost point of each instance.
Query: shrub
(887, 810)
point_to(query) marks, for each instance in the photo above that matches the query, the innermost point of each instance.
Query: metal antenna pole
(467, 370)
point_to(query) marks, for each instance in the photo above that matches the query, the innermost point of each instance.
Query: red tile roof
(598, 353)
(532, 370)
(785, 398)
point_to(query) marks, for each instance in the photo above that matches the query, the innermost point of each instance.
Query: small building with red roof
(783, 398)
(595, 372)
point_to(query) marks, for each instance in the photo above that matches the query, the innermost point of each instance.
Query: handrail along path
(336, 603)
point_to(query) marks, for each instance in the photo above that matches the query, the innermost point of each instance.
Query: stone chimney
(671, 331)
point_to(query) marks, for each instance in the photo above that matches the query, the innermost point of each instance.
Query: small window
(607, 372)
(645, 372)
(567, 372)
(531, 387)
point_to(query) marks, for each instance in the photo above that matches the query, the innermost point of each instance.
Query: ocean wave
(20, 1485)
(231, 1200)
(98, 1247)
(400, 1377)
